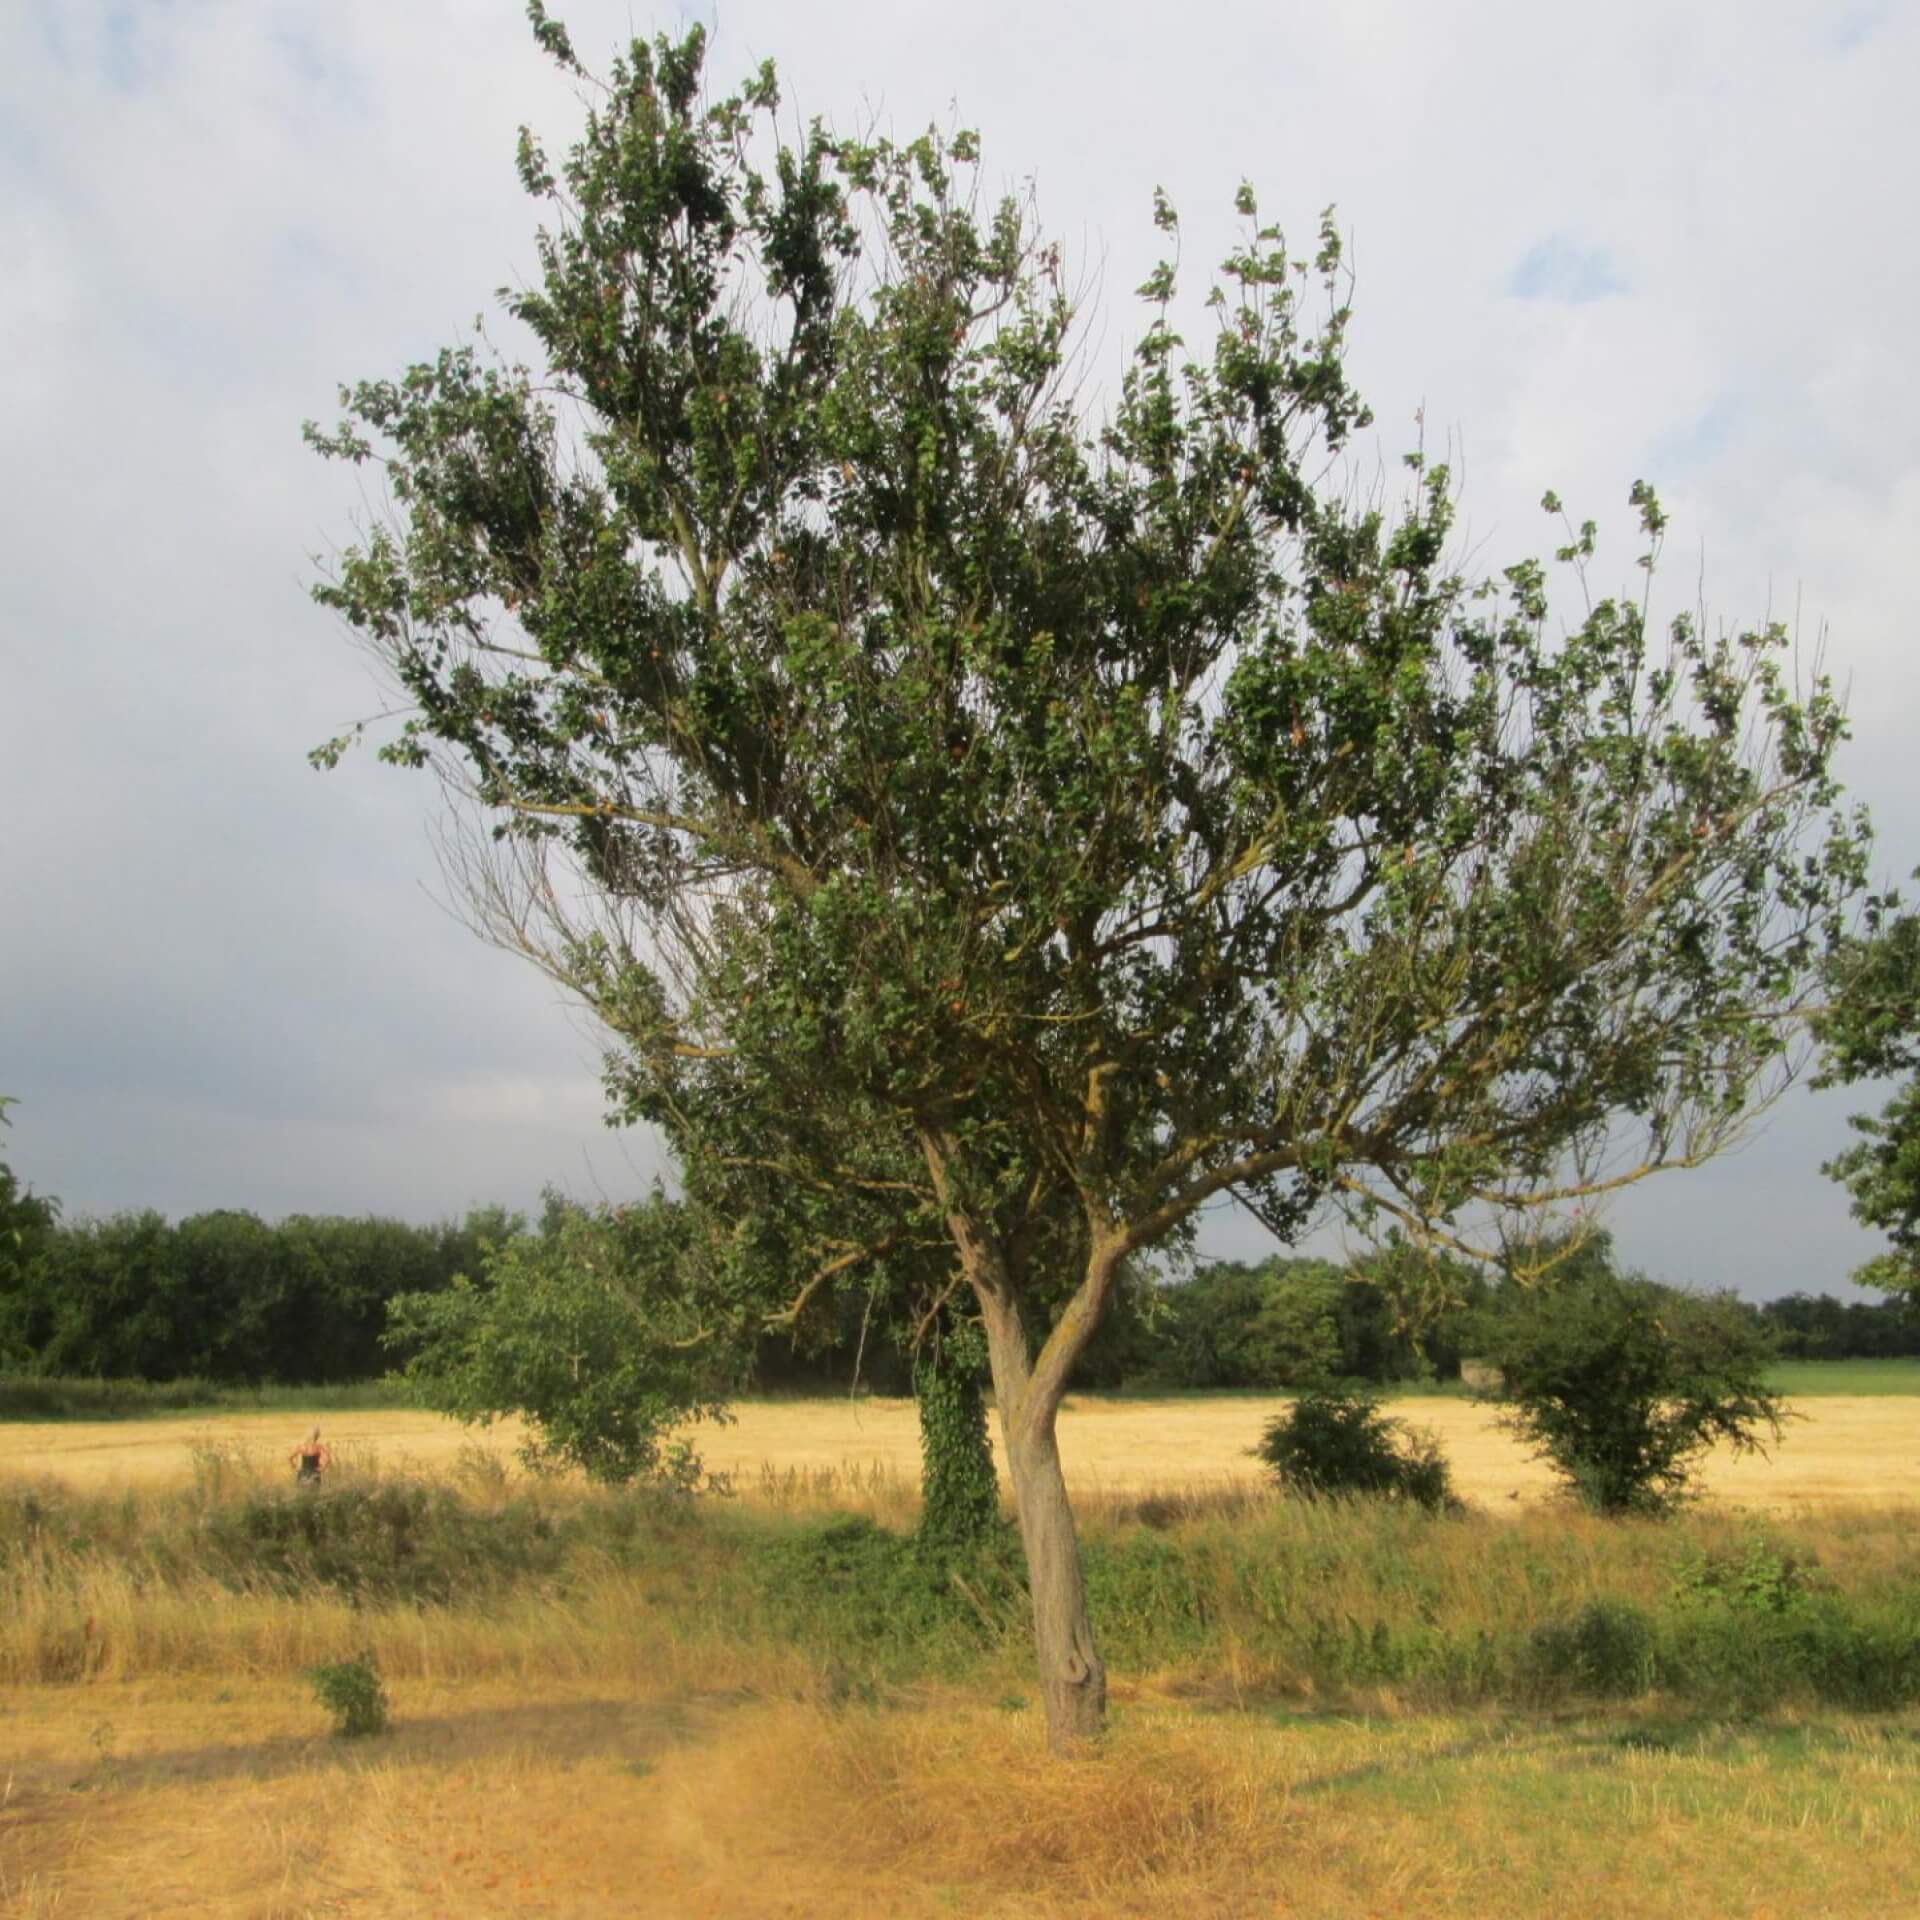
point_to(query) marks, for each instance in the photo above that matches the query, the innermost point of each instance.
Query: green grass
(1808, 1379)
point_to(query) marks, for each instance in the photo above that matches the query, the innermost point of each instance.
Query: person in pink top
(311, 1458)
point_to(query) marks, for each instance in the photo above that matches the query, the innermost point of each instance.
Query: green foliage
(1605, 1651)
(1871, 1031)
(852, 1586)
(221, 1296)
(960, 1495)
(1335, 1442)
(1749, 1629)
(352, 1692)
(590, 1328)
(1819, 1327)
(1622, 1384)
(27, 1223)
(1291, 1323)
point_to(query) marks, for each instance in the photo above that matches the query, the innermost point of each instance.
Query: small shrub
(1605, 1651)
(350, 1690)
(1341, 1443)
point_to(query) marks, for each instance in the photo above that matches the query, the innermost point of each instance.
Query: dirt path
(1843, 1449)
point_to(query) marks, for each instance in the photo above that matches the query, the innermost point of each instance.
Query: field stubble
(1857, 1449)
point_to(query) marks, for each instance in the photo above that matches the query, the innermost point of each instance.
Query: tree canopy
(1038, 822)
(1871, 1031)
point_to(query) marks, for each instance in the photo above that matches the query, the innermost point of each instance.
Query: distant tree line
(220, 1296)
(1296, 1323)
(225, 1296)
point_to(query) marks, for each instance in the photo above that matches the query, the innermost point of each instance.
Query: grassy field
(1803, 1379)
(613, 1705)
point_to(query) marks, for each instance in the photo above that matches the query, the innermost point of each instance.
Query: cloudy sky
(1592, 244)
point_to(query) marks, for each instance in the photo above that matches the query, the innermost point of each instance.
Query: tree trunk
(1028, 1392)
(1073, 1682)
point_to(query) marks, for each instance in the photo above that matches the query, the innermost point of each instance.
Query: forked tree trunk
(1073, 1682)
(1028, 1391)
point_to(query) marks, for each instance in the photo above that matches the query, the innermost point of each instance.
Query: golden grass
(1854, 1450)
(585, 1754)
(170, 1799)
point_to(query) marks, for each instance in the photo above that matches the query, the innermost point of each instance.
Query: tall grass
(1219, 1591)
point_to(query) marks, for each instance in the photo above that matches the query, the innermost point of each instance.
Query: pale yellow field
(1852, 1450)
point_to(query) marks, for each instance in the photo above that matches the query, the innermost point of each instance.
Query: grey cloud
(223, 978)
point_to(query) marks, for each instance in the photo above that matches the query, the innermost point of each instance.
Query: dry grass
(1846, 1449)
(585, 1753)
(590, 1801)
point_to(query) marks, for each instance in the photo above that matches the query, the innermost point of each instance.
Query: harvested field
(1853, 1450)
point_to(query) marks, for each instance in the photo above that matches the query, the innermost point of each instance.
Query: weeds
(350, 1690)
(1226, 1592)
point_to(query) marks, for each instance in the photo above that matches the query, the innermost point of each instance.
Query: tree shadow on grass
(559, 1735)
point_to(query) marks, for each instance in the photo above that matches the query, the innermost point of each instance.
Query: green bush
(1605, 1651)
(589, 1329)
(1340, 1442)
(1622, 1384)
(351, 1691)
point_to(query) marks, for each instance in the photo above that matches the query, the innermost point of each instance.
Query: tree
(1100, 816)
(26, 1221)
(1871, 1031)
(592, 1327)
(1622, 1384)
